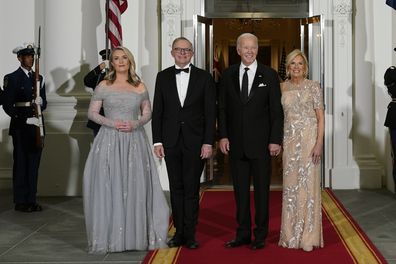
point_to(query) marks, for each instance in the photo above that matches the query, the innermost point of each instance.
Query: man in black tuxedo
(92, 79)
(18, 102)
(250, 130)
(183, 126)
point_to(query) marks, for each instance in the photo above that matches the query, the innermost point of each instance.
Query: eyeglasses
(182, 50)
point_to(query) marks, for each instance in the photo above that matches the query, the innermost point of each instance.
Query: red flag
(116, 8)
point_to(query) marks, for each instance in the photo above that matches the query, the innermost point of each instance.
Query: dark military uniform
(1, 95)
(17, 97)
(91, 80)
(390, 120)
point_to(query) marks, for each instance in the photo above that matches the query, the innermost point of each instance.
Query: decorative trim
(171, 9)
(341, 31)
(342, 7)
(170, 23)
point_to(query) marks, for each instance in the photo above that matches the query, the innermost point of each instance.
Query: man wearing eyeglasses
(183, 126)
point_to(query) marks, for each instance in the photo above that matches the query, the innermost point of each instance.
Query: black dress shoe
(237, 243)
(175, 242)
(35, 207)
(22, 208)
(192, 244)
(257, 245)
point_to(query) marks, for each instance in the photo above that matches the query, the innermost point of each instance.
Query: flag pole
(107, 29)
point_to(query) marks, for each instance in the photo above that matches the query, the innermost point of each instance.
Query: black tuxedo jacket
(19, 88)
(250, 126)
(91, 80)
(195, 120)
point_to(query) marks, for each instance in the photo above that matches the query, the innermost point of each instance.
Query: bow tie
(186, 70)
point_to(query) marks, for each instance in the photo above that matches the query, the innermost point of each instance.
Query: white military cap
(26, 48)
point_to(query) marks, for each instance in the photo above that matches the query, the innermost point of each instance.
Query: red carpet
(344, 241)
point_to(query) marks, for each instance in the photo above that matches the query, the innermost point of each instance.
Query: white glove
(38, 101)
(33, 121)
(106, 62)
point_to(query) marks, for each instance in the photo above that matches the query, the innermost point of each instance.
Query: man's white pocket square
(262, 85)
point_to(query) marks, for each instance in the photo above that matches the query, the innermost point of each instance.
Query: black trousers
(26, 165)
(242, 170)
(392, 133)
(184, 167)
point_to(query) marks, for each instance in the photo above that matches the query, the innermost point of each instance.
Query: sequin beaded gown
(124, 205)
(301, 225)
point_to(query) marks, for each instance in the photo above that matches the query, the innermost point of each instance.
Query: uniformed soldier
(18, 102)
(390, 120)
(93, 78)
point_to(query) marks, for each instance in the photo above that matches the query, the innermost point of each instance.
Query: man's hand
(224, 145)
(206, 151)
(159, 151)
(274, 149)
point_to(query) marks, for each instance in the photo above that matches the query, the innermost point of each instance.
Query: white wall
(373, 52)
(72, 36)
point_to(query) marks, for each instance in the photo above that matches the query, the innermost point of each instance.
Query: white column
(70, 50)
(364, 91)
(171, 11)
(345, 173)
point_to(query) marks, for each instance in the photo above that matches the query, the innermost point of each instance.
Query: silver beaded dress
(301, 222)
(124, 205)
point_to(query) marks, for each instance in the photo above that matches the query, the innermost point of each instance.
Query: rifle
(37, 120)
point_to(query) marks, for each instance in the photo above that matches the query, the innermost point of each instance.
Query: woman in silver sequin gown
(124, 205)
(302, 102)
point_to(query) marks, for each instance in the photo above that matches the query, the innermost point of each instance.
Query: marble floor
(57, 234)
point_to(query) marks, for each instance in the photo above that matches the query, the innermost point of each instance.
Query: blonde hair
(133, 78)
(291, 56)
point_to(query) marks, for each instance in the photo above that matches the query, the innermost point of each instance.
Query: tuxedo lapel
(191, 82)
(237, 85)
(258, 78)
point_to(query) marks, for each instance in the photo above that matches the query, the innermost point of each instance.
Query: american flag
(116, 8)
(282, 65)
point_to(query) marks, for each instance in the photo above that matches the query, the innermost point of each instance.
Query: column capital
(342, 7)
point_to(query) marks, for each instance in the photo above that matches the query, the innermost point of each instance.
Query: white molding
(342, 7)
(171, 28)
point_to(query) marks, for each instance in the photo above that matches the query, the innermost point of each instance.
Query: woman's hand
(316, 153)
(124, 126)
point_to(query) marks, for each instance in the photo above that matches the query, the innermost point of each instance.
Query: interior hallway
(57, 234)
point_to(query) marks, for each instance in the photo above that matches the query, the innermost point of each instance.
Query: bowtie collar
(186, 70)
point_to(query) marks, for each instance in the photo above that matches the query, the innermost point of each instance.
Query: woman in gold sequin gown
(302, 101)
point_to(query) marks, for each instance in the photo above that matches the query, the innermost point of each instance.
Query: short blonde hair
(133, 78)
(291, 56)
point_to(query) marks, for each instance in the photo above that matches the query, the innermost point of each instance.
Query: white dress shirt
(251, 73)
(182, 80)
